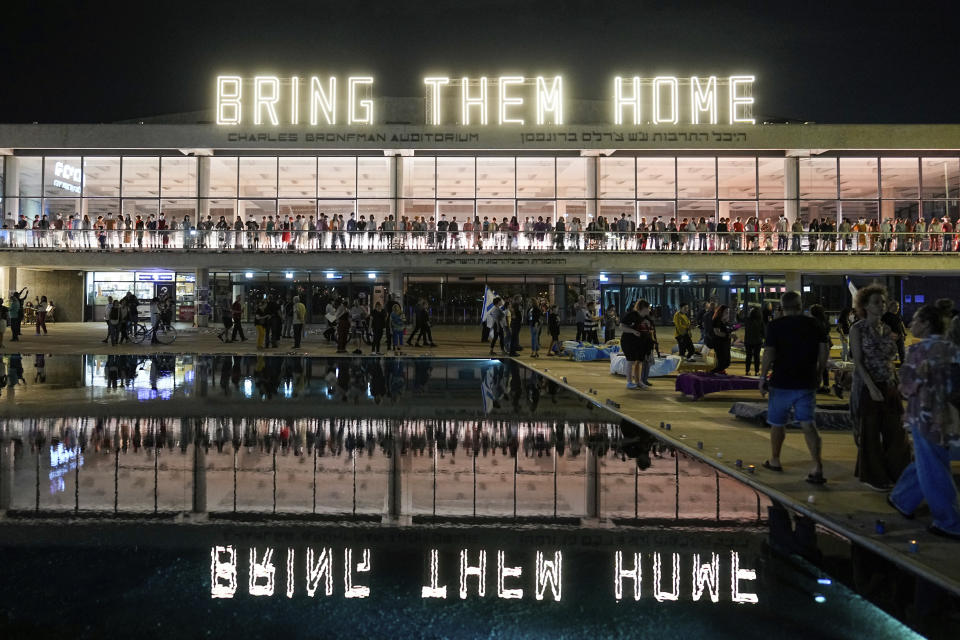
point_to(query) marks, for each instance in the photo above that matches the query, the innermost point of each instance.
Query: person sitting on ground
(796, 352)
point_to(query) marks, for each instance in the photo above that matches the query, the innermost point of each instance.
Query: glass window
(29, 172)
(858, 177)
(770, 177)
(939, 209)
(178, 177)
(63, 208)
(256, 208)
(656, 178)
(573, 177)
(818, 178)
(770, 210)
(572, 209)
(258, 177)
(854, 210)
(297, 177)
(374, 177)
(941, 178)
(613, 209)
(223, 177)
(378, 208)
(293, 208)
(459, 210)
(455, 177)
(535, 209)
(536, 178)
(62, 176)
(818, 209)
(733, 210)
(143, 208)
(648, 210)
(101, 177)
(180, 208)
(737, 178)
(337, 177)
(100, 207)
(696, 209)
(496, 209)
(496, 178)
(141, 176)
(696, 178)
(617, 176)
(892, 209)
(416, 208)
(340, 208)
(417, 177)
(216, 208)
(899, 178)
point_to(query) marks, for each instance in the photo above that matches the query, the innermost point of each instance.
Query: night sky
(837, 62)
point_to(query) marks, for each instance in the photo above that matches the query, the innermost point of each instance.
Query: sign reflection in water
(546, 568)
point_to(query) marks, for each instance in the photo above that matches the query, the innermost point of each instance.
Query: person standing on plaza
(287, 330)
(610, 322)
(495, 321)
(396, 322)
(4, 319)
(796, 352)
(553, 327)
(647, 332)
(16, 313)
(818, 313)
(236, 313)
(892, 318)
(420, 319)
(358, 324)
(876, 406)
(580, 314)
(844, 321)
(342, 323)
(261, 320)
(753, 339)
(42, 315)
(722, 337)
(378, 323)
(516, 321)
(630, 344)
(299, 318)
(928, 383)
(681, 330)
(535, 322)
(275, 323)
(226, 316)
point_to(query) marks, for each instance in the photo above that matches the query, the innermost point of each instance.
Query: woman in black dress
(721, 339)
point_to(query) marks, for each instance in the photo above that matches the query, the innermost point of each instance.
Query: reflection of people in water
(40, 368)
(637, 443)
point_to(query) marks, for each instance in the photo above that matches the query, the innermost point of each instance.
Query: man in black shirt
(796, 350)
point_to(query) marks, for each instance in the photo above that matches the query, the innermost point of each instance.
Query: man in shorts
(796, 350)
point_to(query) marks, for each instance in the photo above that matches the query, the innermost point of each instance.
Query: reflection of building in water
(370, 467)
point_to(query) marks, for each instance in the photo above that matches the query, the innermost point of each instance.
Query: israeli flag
(488, 296)
(486, 389)
(851, 287)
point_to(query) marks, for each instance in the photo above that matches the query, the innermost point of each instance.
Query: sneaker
(631, 385)
(643, 385)
(880, 488)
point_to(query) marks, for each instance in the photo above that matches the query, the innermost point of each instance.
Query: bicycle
(165, 333)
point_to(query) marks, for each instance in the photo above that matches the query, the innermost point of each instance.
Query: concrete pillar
(592, 484)
(794, 281)
(560, 295)
(396, 286)
(201, 298)
(6, 473)
(791, 188)
(11, 189)
(593, 174)
(203, 186)
(9, 282)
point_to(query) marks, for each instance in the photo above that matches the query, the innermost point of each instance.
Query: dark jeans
(377, 337)
(297, 334)
(753, 355)
(497, 333)
(579, 332)
(419, 329)
(722, 349)
(609, 334)
(883, 451)
(685, 346)
(237, 329)
(15, 327)
(514, 338)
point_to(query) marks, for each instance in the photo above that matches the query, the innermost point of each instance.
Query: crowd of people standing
(347, 231)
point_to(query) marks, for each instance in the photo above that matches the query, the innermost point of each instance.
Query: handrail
(646, 241)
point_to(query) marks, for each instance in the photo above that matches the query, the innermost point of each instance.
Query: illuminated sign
(539, 576)
(67, 176)
(508, 100)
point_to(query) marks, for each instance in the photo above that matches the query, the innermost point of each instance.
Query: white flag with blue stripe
(488, 296)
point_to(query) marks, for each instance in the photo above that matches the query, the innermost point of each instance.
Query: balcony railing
(221, 241)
